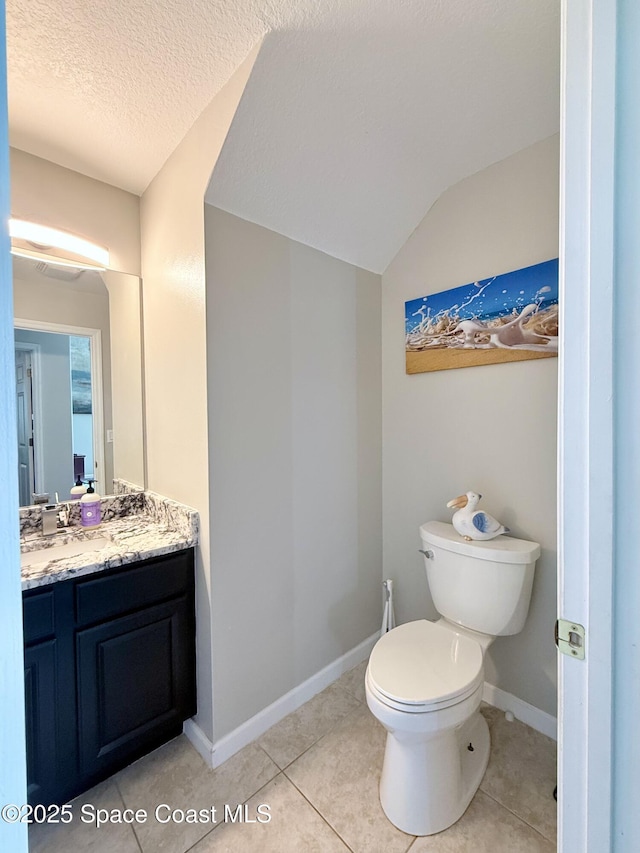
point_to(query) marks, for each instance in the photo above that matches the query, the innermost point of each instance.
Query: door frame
(586, 533)
(13, 778)
(97, 400)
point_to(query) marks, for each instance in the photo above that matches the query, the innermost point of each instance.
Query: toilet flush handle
(427, 554)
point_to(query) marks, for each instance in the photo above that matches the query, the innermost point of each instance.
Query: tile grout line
(352, 693)
(244, 802)
(311, 745)
(135, 834)
(315, 808)
(519, 817)
(321, 738)
(293, 784)
(318, 812)
(284, 776)
(304, 796)
(206, 835)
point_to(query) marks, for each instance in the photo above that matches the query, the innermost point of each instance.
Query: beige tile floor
(317, 772)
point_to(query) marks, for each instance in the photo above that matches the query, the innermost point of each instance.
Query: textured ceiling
(110, 87)
(358, 113)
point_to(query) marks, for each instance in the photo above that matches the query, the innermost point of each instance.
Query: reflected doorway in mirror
(63, 400)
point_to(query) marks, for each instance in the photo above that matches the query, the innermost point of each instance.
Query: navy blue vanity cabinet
(40, 682)
(110, 671)
(135, 663)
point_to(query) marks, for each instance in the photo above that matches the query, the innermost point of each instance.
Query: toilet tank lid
(502, 549)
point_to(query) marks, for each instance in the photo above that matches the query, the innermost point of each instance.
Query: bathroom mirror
(79, 378)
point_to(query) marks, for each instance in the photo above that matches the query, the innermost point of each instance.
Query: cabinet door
(41, 709)
(136, 684)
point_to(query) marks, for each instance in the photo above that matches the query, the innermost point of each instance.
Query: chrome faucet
(54, 517)
(49, 519)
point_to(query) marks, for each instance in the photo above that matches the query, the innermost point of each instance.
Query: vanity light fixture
(61, 248)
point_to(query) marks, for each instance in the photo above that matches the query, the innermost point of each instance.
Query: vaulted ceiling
(357, 116)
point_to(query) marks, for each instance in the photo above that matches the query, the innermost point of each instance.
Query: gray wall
(295, 458)
(175, 344)
(492, 428)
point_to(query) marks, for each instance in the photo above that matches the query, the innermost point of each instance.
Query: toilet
(424, 679)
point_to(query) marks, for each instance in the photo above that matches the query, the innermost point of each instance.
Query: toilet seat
(422, 666)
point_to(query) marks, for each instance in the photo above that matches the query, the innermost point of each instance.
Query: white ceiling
(357, 116)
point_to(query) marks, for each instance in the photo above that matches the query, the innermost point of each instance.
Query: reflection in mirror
(79, 384)
(58, 394)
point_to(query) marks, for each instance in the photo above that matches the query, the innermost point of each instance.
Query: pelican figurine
(472, 523)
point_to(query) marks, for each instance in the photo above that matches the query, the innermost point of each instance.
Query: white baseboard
(198, 739)
(216, 753)
(521, 710)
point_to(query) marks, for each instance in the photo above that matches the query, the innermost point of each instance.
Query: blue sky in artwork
(491, 297)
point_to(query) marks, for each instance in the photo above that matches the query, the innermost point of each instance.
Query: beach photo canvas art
(80, 355)
(508, 317)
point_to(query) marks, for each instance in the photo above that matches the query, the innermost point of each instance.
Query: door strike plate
(570, 637)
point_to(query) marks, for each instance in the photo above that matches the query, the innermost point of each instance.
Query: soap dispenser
(90, 507)
(78, 489)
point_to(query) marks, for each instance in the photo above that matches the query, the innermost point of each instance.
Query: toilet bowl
(424, 679)
(438, 743)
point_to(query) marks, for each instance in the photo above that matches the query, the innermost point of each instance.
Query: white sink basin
(67, 549)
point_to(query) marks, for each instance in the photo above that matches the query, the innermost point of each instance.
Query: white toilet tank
(485, 586)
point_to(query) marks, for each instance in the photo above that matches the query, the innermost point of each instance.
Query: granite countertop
(157, 527)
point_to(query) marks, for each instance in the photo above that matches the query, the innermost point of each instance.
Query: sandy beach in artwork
(422, 361)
